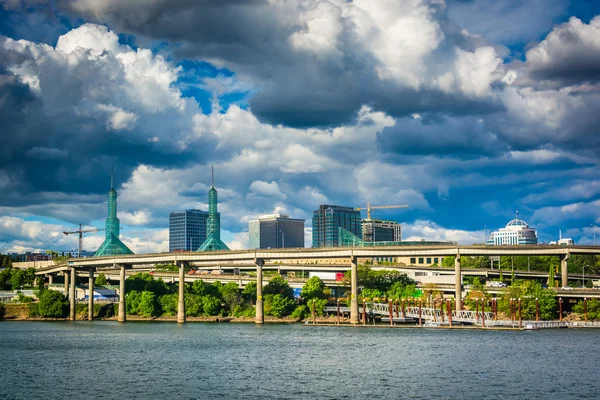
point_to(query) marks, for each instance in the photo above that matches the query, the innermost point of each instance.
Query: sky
(466, 110)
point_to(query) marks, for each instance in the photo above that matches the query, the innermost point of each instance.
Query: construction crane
(81, 232)
(369, 207)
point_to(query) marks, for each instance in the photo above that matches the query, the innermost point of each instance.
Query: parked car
(566, 288)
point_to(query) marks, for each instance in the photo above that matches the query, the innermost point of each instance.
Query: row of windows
(426, 260)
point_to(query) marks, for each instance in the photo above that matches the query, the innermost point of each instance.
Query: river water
(107, 360)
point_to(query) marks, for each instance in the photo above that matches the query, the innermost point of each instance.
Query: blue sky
(467, 110)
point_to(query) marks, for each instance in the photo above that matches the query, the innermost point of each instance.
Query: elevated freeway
(262, 258)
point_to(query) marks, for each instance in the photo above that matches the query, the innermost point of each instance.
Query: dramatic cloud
(296, 104)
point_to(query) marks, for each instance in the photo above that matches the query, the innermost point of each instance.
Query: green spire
(112, 244)
(213, 225)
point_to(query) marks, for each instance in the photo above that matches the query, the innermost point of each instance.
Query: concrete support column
(72, 295)
(121, 317)
(458, 283)
(354, 291)
(564, 272)
(91, 296)
(260, 313)
(181, 304)
(50, 279)
(66, 276)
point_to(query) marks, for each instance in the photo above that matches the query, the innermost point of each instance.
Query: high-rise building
(187, 229)
(516, 232)
(276, 231)
(213, 224)
(377, 230)
(112, 244)
(328, 219)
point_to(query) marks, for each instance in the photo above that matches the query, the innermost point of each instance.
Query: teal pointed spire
(213, 225)
(112, 244)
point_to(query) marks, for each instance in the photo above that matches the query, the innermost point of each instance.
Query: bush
(2, 310)
(211, 305)
(53, 304)
(300, 312)
(319, 305)
(169, 303)
(278, 305)
(34, 310)
(193, 304)
(21, 298)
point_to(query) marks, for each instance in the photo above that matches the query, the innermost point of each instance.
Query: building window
(435, 260)
(428, 260)
(420, 260)
(413, 260)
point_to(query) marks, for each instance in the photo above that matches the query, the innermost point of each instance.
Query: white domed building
(516, 232)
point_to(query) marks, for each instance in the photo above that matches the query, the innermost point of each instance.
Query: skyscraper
(112, 244)
(328, 219)
(187, 229)
(213, 227)
(276, 231)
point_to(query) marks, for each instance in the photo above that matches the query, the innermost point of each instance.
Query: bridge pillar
(91, 295)
(66, 277)
(458, 283)
(121, 317)
(354, 291)
(564, 272)
(181, 305)
(260, 316)
(50, 276)
(72, 295)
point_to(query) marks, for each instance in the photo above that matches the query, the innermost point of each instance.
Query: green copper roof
(112, 246)
(213, 243)
(213, 225)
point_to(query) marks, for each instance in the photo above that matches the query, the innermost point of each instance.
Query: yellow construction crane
(81, 232)
(369, 207)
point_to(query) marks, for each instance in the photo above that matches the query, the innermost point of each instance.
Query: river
(107, 360)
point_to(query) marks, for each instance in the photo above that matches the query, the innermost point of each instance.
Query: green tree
(148, 304)
(211, 305)
(593, 309)
(169, 303)
(249, 293)
(448, 262)
(231, 296)
(138, 282)
(193, 305)
(314, 288)
(278, 285)
(17, 279)
(101, 280)
(318, 305)
(278, 305)
(53, 304)
(5, 275)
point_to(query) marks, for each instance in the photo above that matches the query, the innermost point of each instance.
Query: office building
(516, 232)
(187, 230)
(276, 231)
(328, 219)
(377, 230)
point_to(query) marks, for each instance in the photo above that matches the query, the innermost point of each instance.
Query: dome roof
(517, 222)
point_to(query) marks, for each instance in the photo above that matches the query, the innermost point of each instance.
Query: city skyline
(462, 120)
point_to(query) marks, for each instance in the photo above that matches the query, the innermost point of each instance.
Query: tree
(249, 293)
(314, 288)
(193, 305)
(278, 305)
(231, 296)
(100, 280)
(169, 303)
(211, 305)
(138, 282)
(53, 304)
(278, 285)
(148, 304)
(17, 279)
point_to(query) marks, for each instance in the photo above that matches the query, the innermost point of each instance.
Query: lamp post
(560, 301)
(537, 309)
(585, 308)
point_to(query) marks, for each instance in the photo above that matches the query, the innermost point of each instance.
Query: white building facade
(516, 232)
